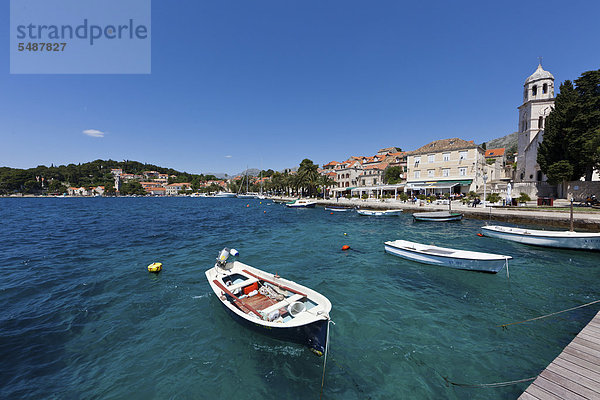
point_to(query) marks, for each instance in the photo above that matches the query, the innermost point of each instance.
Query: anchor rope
(488, 385)
(504, 326)
(325, 358)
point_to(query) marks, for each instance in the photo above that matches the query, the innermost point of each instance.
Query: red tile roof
(495, 152)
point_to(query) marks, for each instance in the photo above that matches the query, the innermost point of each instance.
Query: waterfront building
(445, 166)
(347, 175)
(538, 101)
(174, 188)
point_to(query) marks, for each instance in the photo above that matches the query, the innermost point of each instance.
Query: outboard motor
(224, 256)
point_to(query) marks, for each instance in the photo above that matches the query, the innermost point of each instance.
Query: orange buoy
(331, 213)
(479, 234)
(247, 205)
(345, 247)
(264, 212)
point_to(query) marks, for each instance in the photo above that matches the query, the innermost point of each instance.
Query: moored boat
(378, 213)
(440, 216)
(269, 304)
(453, 258)
(301, 203)
(338, 209)
(224, 194)
(537, 237)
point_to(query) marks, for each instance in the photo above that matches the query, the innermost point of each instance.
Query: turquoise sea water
(82, 318)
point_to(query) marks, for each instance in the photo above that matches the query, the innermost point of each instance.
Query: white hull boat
(225, 194)
(270, 304)
(378, 213)
(301, 203)
(536, 237)
(453, 258)
(246, 196)
(440, 216)
(338, 209)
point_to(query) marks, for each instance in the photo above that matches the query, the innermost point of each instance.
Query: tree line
(56, 179)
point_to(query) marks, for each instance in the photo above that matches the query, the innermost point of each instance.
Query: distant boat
(339, 209)
(378, 213)
(247, 196)
(270, 304)
(301, 203)
(225, 194)
(453, 258)
(536, 237)
(437, 216)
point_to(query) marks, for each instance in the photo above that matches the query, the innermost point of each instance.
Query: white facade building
(538, 101)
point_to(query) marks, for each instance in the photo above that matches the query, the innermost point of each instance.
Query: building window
(363, 182)
(545, 88)
(417, 160)
(446, 172)
(417, 174)
(430, 173)
(431, 158)
(534, 90)
(462, 171)
(463, 155)
(374, 181)
(541, 122)
(446, 156)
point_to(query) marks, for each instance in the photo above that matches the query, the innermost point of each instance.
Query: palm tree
(308, 175)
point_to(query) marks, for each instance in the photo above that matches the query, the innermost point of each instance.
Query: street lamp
(484, 188)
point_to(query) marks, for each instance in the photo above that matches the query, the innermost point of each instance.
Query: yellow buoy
(155, 267)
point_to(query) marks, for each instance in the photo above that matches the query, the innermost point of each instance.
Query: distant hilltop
(509, 142)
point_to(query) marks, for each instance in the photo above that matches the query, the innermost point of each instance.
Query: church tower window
(534, 90)
(541, 122)
(545, 88)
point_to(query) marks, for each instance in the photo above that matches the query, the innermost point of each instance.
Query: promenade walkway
(558, 217)
(575, 373)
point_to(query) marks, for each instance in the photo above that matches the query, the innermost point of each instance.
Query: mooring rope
(504, 326)
(487, 385)
(325, 358)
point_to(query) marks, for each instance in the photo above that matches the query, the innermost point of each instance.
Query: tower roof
(539, 73)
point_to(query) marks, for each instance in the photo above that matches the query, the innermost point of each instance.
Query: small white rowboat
(559, 239)
(379, 213)
(453, 258)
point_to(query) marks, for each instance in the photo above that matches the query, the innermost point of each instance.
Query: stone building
(538, 101)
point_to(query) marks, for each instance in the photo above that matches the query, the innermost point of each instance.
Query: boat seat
(282, 303)
(245, 283)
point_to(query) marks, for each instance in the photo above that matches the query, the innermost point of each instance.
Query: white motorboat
(536, 237)
(440, 216)
(225, 194)
(270, 304)
(379, 213)
(301, 203)
(453, 258)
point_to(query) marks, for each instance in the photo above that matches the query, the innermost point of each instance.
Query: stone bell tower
(538, 101)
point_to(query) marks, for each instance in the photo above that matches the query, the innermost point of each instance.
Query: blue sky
(245, 83)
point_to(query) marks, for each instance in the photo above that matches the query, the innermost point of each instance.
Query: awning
(436, 184)
(379, 187)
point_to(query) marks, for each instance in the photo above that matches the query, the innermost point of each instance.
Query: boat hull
(439, 217)
(545, 238)
(313, 335)
(338, 209)
(489, 266)
(376, 213)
